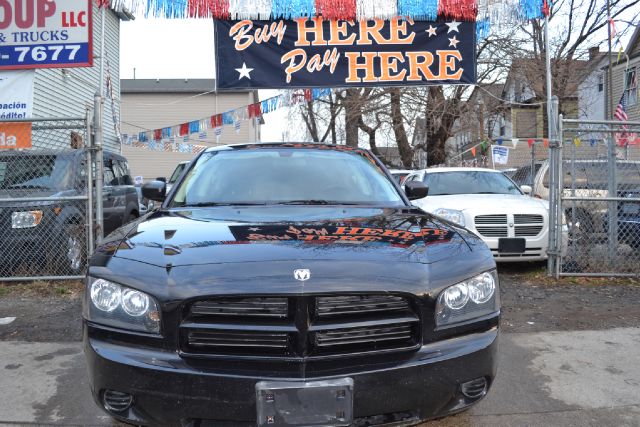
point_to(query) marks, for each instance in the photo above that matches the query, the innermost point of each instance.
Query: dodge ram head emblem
(302, 275)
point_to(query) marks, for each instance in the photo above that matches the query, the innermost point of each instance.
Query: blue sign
(312, 52)
(45, 34)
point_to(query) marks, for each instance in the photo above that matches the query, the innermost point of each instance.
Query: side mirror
(161, 178)
(155, 190)
(526, 189)
(416, 190)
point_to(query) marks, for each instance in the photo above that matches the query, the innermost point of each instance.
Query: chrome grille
(242, 307)
(528, 219)
(491, 219)
(359, 305)
(528, 230)
(493, 231)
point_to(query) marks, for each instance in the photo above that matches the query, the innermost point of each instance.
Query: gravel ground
(531, 302)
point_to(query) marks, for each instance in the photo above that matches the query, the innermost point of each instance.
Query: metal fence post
(533, 164)
(555, 215)
(559, 190)
(613, 204)
(97, 146)
(89, 187)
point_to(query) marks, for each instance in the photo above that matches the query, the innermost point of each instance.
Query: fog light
(115, 401)
(474, 389)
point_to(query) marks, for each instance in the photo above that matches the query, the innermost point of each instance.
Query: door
(112, 215)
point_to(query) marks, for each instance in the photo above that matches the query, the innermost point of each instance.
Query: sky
(178, 49)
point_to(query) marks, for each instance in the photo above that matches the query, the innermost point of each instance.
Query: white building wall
(591, 97)
(68, 92)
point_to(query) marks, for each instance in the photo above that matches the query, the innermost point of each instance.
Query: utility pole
(610, 72)
(99, 134)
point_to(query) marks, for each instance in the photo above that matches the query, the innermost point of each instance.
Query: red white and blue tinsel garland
(490, 12)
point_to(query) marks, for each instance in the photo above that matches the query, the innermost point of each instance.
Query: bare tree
(445, 109)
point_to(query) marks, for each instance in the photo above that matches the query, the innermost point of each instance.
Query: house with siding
(148, 104)
(69, 92)
(625, 78)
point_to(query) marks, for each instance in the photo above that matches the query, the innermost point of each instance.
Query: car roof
(38, 152)
(299, 145)
(458, 169)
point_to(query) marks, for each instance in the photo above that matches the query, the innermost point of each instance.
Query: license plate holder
(512, 246)
(293, 403)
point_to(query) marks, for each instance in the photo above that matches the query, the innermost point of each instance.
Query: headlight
(451, 215)
(110, 304)
(26, 219)
(473, 298)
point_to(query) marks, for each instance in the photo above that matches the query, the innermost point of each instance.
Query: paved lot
(550, 378)
(570, 356)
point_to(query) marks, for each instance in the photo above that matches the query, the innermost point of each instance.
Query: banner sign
(500, 155)
(319, 53)
(344, 234)
(15, 135)
(16, 87)
(45, 34)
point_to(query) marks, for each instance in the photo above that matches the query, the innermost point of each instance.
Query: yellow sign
(15, 135)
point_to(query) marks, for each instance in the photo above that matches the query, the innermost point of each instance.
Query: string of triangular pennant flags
(176, 137)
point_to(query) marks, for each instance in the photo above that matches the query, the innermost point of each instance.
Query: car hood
(173, 238)
(482, 203)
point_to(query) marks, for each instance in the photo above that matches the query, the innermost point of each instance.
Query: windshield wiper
(213, 204)
(314, 202)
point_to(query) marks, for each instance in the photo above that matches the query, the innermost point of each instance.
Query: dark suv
(42, 222)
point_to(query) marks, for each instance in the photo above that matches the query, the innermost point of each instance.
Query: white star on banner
(453, 26)
(254, 229)
(453, 41)
(431, 30)
(244, 71)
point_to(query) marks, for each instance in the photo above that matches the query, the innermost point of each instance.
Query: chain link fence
(598, 185)
(44, 199)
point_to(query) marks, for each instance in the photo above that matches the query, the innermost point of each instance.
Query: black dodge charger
(289, 284)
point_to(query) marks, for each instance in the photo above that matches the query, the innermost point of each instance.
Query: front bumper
(170, 390)
(37, 245)
(535, 249)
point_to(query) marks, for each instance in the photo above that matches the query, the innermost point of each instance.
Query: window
(282, 175)
(109, 175)
(631, 86)
(469, 182)
(125, 175)
(600, 82)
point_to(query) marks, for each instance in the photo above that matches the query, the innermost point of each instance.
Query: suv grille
(242, 307)
(300, 327)
(374, 336)
(238, 342)
(359, 305)
(528, 225)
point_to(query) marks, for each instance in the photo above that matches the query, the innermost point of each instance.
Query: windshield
(34, 172)
(469, 182)
(177, 172)
(285, 176)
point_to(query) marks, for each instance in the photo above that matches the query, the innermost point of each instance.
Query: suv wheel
(73, 253)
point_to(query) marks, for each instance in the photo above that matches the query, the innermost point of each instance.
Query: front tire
(73, 254)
